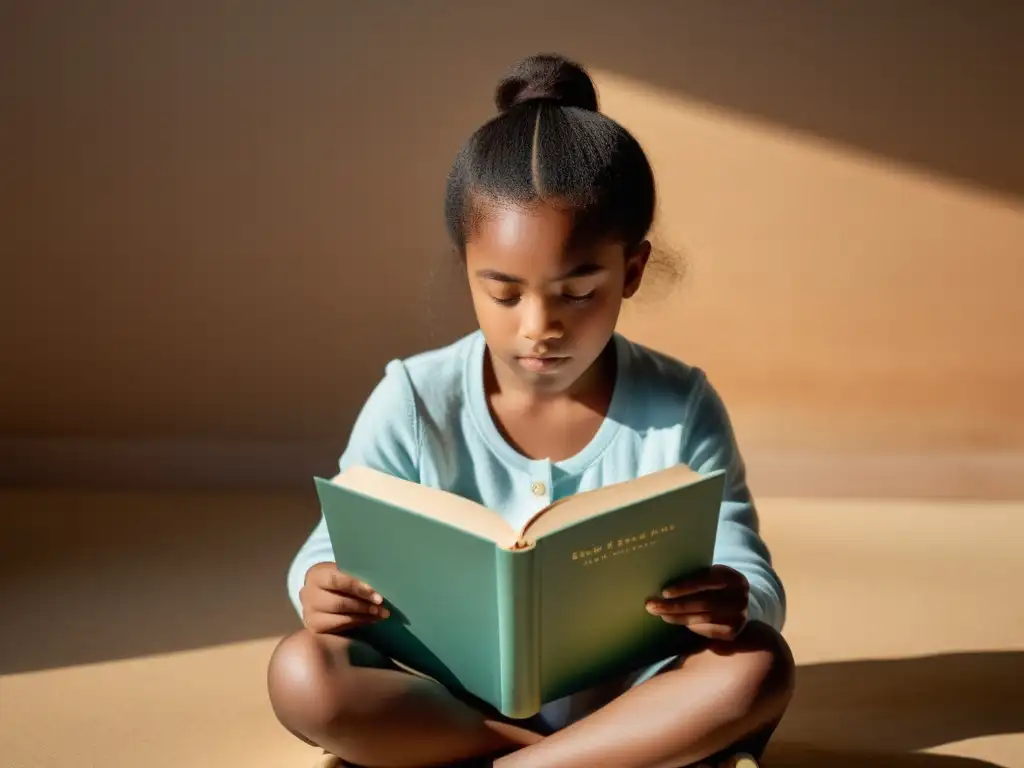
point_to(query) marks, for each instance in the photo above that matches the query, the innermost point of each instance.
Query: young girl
(549, 206)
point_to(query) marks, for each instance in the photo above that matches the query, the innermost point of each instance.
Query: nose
(540, 322)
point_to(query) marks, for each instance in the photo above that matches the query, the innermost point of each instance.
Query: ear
(636, 263)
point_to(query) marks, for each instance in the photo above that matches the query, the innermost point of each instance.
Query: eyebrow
(581, 270)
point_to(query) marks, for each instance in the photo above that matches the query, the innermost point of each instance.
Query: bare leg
(346, 698)
(721, 695)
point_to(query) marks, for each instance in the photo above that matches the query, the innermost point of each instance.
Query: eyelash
(571, 299)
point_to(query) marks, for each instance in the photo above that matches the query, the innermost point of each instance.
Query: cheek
(599, 314)
(492, 317)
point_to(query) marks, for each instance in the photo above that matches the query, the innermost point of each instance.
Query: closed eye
(571, 298)
(580, 299)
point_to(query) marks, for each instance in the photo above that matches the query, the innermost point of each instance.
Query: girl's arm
(385, 437)
(711, 445)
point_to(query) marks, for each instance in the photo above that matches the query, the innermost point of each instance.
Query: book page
(589, 503)
(443, 506)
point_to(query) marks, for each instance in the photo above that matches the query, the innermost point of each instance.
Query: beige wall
(226, 217)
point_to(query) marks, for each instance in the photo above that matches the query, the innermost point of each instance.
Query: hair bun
(550, 77)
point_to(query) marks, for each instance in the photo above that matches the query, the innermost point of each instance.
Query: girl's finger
(332, 602)
(680, 607)
(343, 583)
(331, 623)
(714, 631)
(714, 578)
(693, 620)
(705, 626)
(686, 619)
(718, 602)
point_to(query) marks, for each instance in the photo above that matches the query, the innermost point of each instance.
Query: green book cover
(520, 618)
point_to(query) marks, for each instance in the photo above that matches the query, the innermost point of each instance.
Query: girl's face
(547, 309)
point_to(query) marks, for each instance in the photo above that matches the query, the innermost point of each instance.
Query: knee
(306, 683)
(762, 673)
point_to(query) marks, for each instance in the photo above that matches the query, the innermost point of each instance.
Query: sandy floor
(137, 629)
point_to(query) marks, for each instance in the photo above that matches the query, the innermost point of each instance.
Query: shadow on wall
(238, 188)
(929, 83)
(926, 84)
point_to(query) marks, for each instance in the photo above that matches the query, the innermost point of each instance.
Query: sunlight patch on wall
(837, 299)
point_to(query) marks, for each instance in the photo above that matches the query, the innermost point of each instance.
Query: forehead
(532, 240)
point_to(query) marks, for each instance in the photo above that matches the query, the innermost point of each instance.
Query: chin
(552, 382)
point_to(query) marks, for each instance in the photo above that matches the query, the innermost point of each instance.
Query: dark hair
(549, 143)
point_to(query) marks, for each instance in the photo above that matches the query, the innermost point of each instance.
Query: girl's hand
(712, 604)
(334, 602)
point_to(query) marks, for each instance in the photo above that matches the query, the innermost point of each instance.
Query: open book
(517, 618)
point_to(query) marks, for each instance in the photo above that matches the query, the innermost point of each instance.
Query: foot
(741, 760)
(330, 761)
(327, 760)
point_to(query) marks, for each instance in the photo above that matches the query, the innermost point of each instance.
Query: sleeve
(710, 444)
(385, 437)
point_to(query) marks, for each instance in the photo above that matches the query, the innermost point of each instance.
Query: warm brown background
(219, 220)
(222, 219)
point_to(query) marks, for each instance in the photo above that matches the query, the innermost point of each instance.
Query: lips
(539, 364)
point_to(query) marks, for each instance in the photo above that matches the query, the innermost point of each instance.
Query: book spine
(518, 633)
